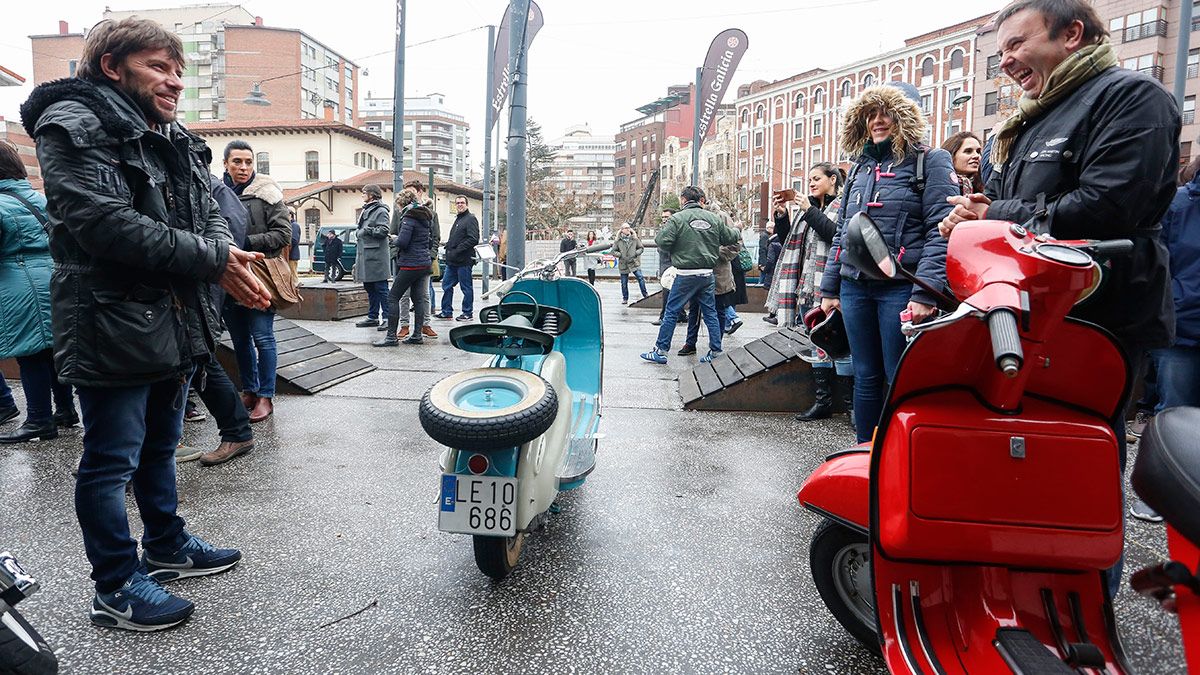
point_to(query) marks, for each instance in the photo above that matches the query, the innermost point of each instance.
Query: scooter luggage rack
(580, 458)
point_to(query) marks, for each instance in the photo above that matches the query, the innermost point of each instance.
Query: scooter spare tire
(488, 409)
(22, 650)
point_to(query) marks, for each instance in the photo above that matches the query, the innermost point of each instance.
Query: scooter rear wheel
(840, 559)
(497, 556)
(22, 650)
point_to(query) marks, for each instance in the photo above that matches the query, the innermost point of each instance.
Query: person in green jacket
(25, 267)
(628, 250)
(693, 237)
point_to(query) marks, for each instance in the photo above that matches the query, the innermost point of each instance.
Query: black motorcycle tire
(456, 427)
(497, 556)
(17, 657)
(830, 541)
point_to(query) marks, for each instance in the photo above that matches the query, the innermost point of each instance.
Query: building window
(745, 117)
(71, 66)
(798, 103)
(990, 104)
(817, 156)
(312, 222)
(993, 66)
(798, 130)
(1139, 25)
(758, 167)
(1189, 109)
(1147, 63)
(956, 60)
(868, 80)
(1193, 62)
(927, 68)
(1185, 153)
(263, 163)
(817, 126)
(926, 103)
(742, 167)
(744, 141)
(758, 139)
(312, 165)
(797, 160)
(760, 113)
(818, 98)
(846, 88)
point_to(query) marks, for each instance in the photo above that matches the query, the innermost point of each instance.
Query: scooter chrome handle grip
(1006, 341)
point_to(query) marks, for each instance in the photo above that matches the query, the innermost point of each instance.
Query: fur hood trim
(910, 123)
(118, 126)
(265, 188)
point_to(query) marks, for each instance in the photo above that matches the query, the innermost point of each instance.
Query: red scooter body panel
(839, 489)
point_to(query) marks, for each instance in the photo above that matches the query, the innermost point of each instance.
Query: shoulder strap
(846, 191)
(37, 213)
(919, 173)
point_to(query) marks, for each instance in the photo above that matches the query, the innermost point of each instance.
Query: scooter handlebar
(1006, 341)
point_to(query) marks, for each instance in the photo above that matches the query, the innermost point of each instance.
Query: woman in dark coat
(413, 242)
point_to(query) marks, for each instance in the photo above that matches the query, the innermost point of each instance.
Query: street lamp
(256, 96)
(955, 103)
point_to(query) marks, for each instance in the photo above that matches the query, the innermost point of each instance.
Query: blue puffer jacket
(414, 238)
(1181, 236)
(25, 267)
(907, 220)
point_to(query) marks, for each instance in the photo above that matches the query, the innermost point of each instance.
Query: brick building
(786, 126)
(227, 50)
(1146, 37)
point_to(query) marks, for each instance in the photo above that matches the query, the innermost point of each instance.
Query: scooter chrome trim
(901, 632)
(914, 596)
(857, 527)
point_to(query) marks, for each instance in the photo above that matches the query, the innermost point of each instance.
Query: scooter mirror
(863, 246)
(485, 252)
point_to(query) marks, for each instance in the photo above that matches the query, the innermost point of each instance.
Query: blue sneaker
(707, 358)
(141, 604)
(196, 558)
(655, 356)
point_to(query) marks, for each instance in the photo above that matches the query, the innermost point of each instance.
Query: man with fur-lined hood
(883, 129)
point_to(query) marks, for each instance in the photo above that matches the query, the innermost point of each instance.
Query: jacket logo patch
(700, 225)
(1055, 141)
(108, 180)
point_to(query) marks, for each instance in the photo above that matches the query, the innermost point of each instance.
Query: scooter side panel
(840, 489)
(537, 484)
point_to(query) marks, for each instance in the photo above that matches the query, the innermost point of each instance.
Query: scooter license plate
(478, 505)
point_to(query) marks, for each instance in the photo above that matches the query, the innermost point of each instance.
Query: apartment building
(227, 51)
(716, 162)
(434, 136)
(1146, 37)
(583, 167)
(786, 126)
(640, 144)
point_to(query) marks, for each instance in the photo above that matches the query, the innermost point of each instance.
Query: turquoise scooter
(521, 428)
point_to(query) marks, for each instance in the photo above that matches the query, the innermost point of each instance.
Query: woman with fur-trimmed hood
(269, 231)
(883, 129)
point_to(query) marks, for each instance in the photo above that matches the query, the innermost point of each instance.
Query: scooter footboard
(972, 619)
(1041, 490)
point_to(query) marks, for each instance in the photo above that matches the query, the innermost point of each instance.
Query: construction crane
(640, 213)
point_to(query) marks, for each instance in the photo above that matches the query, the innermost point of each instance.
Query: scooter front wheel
(22, 650)
(840, 559)
(497, 556)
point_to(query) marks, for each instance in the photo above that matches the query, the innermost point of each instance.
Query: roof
(10, 79)
(284, 127)
(381, 178)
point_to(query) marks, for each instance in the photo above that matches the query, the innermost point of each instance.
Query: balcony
(1154, 28)
(1192, 70)
(436, 132)
(1189, 116)
(1153, 71)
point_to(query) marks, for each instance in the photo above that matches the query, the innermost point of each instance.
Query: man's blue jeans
(6, 397)
(871, 310)
(129, 433)
(693, 322)
(377, 292)
(625, 284)
(685, 288)
(459, 275)
(253, 335)
(42, 387)
(1178, 376)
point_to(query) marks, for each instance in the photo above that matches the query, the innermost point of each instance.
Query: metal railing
(1189, 116)
(1145, 30)
(1153, 71)
(993, 71)
(1193, 69)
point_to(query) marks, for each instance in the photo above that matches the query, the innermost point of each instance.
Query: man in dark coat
(460, 257)
(136, 238)
(568, 243)
(372, 266)
(333, 255)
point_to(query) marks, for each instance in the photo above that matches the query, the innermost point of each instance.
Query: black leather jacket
(135, 236)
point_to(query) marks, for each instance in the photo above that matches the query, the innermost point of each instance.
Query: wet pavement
(684, 552)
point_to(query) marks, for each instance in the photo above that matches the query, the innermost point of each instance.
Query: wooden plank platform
(755, 295)
(307, 364)
(332, 301)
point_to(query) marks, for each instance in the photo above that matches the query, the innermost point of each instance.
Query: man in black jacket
(333, 255)
(136, 237)
(460, 257)
(568, 243)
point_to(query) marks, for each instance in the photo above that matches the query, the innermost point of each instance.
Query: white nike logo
(186, 564)
(127, 614)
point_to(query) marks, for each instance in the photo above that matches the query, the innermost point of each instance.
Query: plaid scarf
(798, 272)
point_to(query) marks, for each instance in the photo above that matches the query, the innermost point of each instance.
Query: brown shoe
(249, 400)
(403, 333)
(226, 451)
(428, 332)
(262, 410)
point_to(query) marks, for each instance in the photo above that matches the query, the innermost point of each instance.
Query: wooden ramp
(766, 375)
(756, 296)
(307, 363)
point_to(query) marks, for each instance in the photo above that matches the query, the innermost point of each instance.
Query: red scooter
(972, 534)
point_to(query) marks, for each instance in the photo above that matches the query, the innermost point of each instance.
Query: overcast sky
(593, 62)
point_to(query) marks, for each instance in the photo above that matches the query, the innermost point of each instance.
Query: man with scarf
(1091, 153)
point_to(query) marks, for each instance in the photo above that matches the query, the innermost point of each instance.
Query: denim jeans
(569, 267)
(460, 275)
(841, 367)
(409, 283)
(625, 284)
(42, 387)
(253, 334)
(6, 397)
(129, 433)
(1178, 376)
(731, 315)
(685, 288)
(221, 398)
(871, 310)
(377, 299)
(693, 322)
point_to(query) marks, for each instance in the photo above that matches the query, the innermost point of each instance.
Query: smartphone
(785, 195)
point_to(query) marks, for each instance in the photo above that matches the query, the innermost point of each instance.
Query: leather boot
(262, 410)
(249, 400)
(389, 338)
(843, 390)
(822, 407)
(31, 432)
(226, 451)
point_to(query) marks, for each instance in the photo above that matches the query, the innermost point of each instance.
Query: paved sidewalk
(685, 552)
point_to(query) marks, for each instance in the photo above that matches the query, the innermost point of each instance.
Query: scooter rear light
(478, 464)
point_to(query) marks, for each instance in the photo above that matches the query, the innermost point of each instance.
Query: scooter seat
(512, 337)
(1167, 472)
